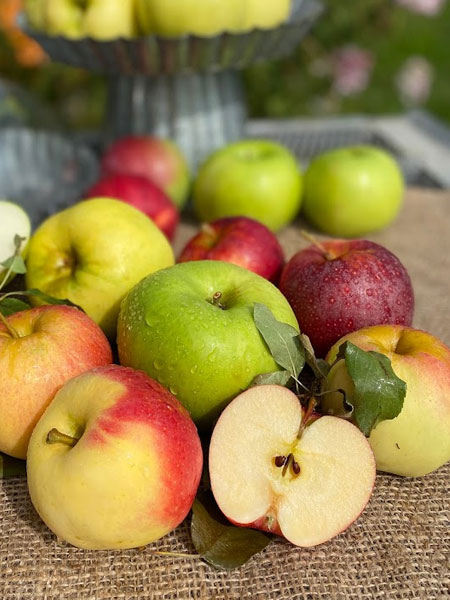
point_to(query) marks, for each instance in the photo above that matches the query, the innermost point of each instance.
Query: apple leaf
(219, 543)
(379, 393)
(319, 367)
(11, 467)
(15, 264)
(9, 306)
(277, 378)
(49, 299)
(282, 340)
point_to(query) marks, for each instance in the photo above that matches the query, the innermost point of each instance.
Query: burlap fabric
(398, 549)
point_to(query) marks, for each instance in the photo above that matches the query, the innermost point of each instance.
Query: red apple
(241, 241)
(41, 349)
(153, 158)
(115, 461)
(341, 286)
(144, 195)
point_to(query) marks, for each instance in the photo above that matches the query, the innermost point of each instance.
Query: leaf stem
(309, 411)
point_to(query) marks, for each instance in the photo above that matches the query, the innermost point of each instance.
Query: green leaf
(220, 544)
(277, 378)
(282, 340)
(16, 264)
(49, 299)
(379, 393)
(319, 367)
(11, 467)
(9, 306)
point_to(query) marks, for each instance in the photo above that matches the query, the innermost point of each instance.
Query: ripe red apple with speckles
(340, 286)
(241, 241)
(115, 461)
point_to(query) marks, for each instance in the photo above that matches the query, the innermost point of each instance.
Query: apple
(339, 286)
(143, 195)
(153, 158)
(174, 18)
(273, 469)
(240, 241)
(266, 15)
(114, 462)
(99, 19)
(252, 178)
(352, 191)
(13, 221)
(41, 349)
(416, 442)
(93, 253)
(191, 327)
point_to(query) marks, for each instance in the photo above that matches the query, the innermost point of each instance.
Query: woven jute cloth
(398, 549)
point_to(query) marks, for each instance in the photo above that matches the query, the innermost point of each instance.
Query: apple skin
(206, 355)
(143, 195)
(352, 191)
(267, 15)
(175, 18)
(358, 284)
(252, 178)
(93, 253)
(13, 221)
(56, 343)
(241, 241)
(416, 442)
(133, 474)
(153, 158)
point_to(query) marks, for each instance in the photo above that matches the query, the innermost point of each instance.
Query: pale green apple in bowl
(13, 221)
(416, 442)
(267, 14)
(191, 327)
(352, 191)
(94, 253)
(252, 178)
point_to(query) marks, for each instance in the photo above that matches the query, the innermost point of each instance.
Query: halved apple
(13, 221)
(273, 468)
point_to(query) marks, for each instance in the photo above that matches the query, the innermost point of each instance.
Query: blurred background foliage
(363, 56)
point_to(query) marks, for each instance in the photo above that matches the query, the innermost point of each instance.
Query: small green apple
(267, 14)
(252, 178)
(191, 327)
(93, 253)
(13, 221)
(174, 18)
(416, 442)
(352, 191)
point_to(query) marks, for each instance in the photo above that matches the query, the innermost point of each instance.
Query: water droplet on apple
(174, 390)
(212, 356)
(194, 370)
(158, 365)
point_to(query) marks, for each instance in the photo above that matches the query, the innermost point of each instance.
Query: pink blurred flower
(423, 7)
(352, 68)
(414, 80)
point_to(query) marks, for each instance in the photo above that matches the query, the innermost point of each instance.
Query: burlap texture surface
(399, 547)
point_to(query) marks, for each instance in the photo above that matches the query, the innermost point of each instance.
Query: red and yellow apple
(416, 442)
(272, 468)
(341, 286)
(241, 241)
(41, 349)
(114, 462)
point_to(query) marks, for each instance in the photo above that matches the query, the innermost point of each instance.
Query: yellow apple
(267, 14)
(416, 442)
(93, 253)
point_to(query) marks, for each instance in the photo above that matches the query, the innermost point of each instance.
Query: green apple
(352, 191)
(417, 441)
(93, 253)
(180, 17)
(252, 178)
(100, 19)
(13, 221)
(267, 14)
(191, 327)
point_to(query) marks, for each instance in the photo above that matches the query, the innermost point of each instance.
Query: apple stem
(216, 300)
(206, 228)
(308, 414)
(12, 332)
(310, 238)
(56, 437)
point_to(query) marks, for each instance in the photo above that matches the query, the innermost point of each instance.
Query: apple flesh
(307, 487)
(252, 178)
(416, 442)
(241, 241)
(191, 327)
(13, 221)
(342, 286)
(126, 468)
(44, 348)
(93, 253)
(156, 159)
(143, 195)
